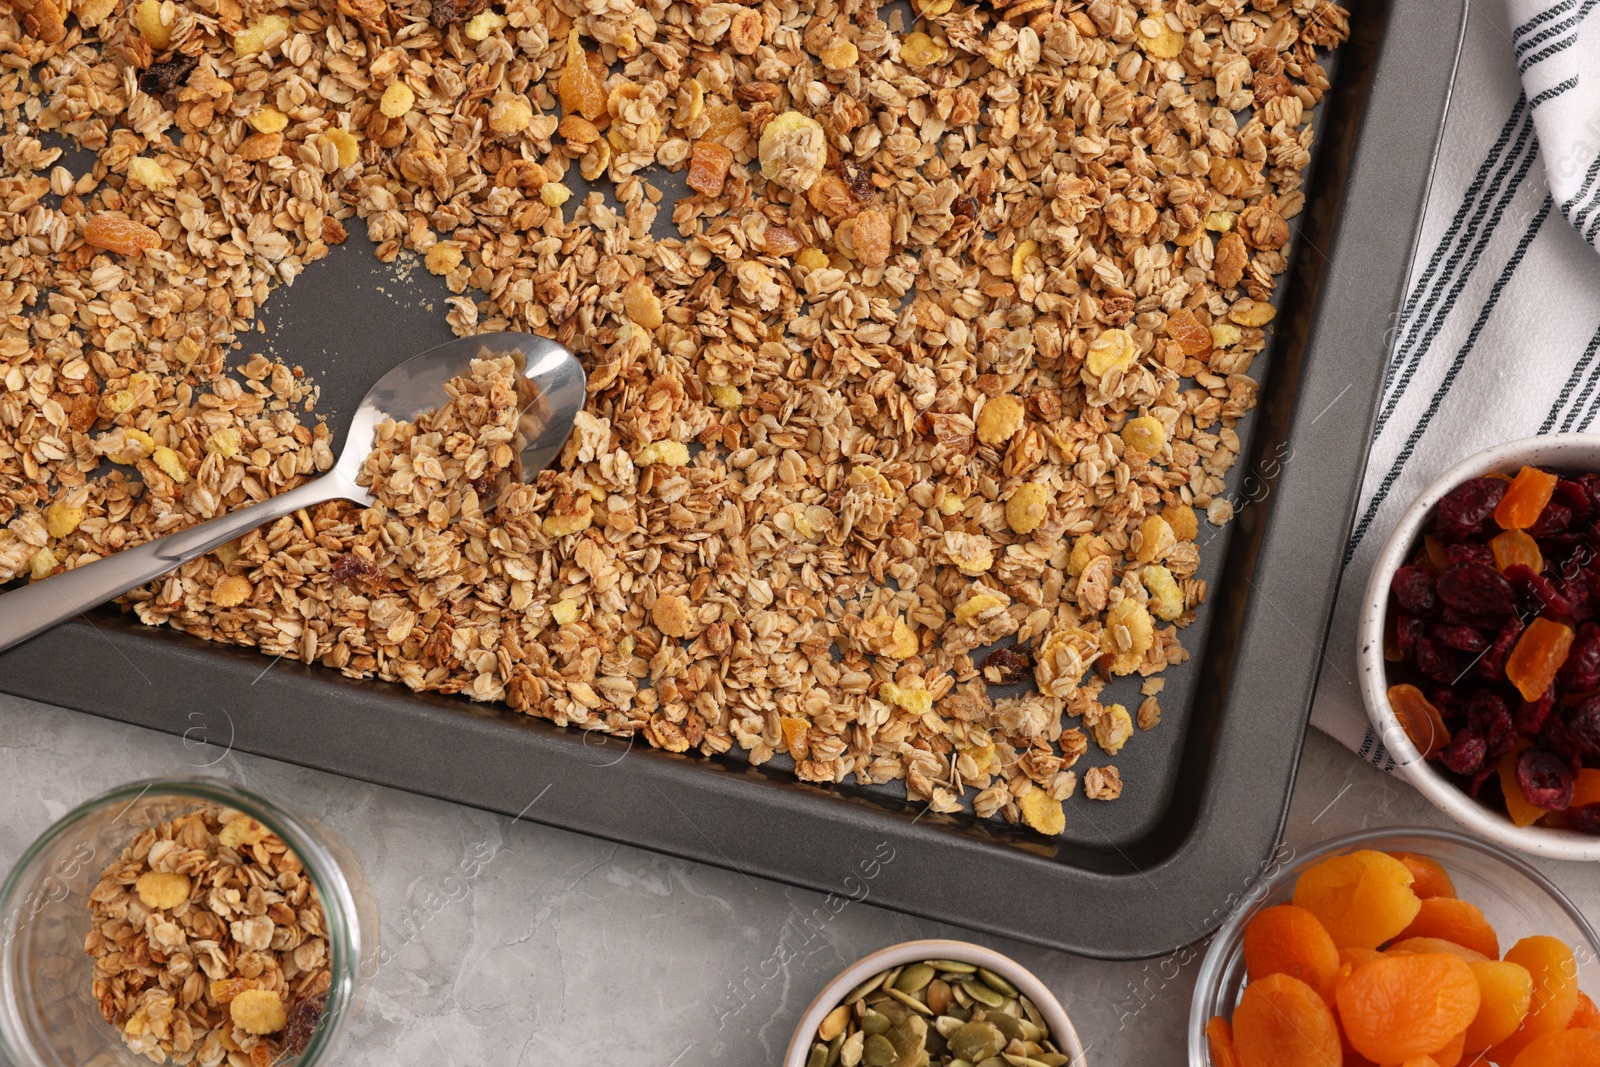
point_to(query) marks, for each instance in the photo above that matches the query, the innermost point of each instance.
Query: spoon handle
(42, 604)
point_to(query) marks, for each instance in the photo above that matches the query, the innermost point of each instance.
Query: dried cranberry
(1531, 714)
(1470, 552)
(1572, 496)
(1413, 587)
(1460, 638)
(1407, 629)
(1477, 588)
(1490, 719)
(1434, 660)
(1013, 664)
(1577, 587)
(1583, 724)
(1585, 817)
(1492, 664)
(1591, 486)
(1484, 775)
(1558, 737)
(1465, 753)
(1545, 779)
(1537, 594)
(1581, 672)
(1552, 520)
(1463, 510)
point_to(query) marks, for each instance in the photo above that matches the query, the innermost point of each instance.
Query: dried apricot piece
(1219, 1041)
(1506, 990)
(1421, 720)
(1518, 809)
(1564, 1048)
(1362, 899)
(114, 233)
(1282, 1022)
(1554, 971)
(1457, 921)
(708, 168)
(1428, 876)
(1450, 1054)
(1538, 655)
(1585, 788)
(1289, 940)
(1585, 1015)
(1525, 499)
(1402, 1007)
(1184, 328)
(1412, 946)
(580, 91)
(1514, 548)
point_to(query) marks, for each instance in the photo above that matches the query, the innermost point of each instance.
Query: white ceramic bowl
(1061, 1031)
(1573, 453)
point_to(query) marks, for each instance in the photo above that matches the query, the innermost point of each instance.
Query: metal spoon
(551, 392)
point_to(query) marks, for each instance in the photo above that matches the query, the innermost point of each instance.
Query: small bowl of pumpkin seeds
(935, 1004)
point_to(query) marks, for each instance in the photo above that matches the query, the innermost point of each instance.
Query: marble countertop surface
(567, 949)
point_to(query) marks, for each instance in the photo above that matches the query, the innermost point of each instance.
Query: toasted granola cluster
(209, 943)
(942, 345)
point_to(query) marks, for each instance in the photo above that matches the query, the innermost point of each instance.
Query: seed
(874, 1023)
(952, 967)
(865, 987)
(833, 1023)
(878, 1052)
(983, 994)
(977, 1041)
(850, 1051)
(1022, 1061)
(914, 978)
(1007, 1025)
(910, 1001)
(818, 1057)
(938, 995)
(994, 981)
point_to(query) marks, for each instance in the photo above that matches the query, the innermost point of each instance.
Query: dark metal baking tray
(1206, 792)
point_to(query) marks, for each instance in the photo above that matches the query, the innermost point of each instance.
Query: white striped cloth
(1499, 332)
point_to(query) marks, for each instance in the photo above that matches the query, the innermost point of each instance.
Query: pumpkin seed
(1021, 1061)
(952, 967)
(993, 1061)
(878, 1052)
(865, 987)
(937, 995)
(850, 1051)
(914, 978)
(818, 1057)
(910, 1001)
(833, 1023)
(834, 1050)
(1053, 1059)
(1032, 1013)
(994, 981)
(977, 1041)
(1012, 1028)
(963, 998)
(875, 1022)
(983, 994)
(1030, 1032)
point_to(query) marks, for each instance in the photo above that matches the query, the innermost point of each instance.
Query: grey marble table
(569, 950)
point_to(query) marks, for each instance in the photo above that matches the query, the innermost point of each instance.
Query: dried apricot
(1585, 1015)
(1554, 997)
(1422, 722)
(1564, 1048)
(1514, 548)
(580, 91)
(114, 233)
(1184, 328)
(1413, 946)
(1401, 1007)
(1525, 499)
(1518, 809)
(1457, 921)
(1219, 1041)
(708, 168)
(1539, 653)
(1362, 899)
(1506, 989)
(1585, 788)
(1282, 1022)
(1450, 1054)
(1428, 876)
(1289, 940)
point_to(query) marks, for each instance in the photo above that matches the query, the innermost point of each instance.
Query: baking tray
(1207, 791)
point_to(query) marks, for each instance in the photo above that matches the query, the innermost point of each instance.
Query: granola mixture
(944, 345)
(209, 944)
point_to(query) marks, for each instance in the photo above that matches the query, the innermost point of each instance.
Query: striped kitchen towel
(1499, 333)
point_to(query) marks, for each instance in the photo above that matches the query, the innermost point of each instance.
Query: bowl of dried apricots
(1479, 644)
(1414, 946)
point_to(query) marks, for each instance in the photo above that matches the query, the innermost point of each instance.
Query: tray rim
(369, 745)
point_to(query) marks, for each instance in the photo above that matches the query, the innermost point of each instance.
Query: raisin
(1465, 508)
(1435, 661)
(1493, 663)
(1478, 588)
(1532, 714)
(350, 568)
(855, 178)
(447, 11)
(303, 1020)
(1581, 672)
(1013, 665)
(1585, 817)
(114, 233)
(1545, 779)
(1465, 753)
(1583, 725)
(1469, 552)
(161, 78)
(1414, 588)
(1552, 520)
(1460, 638)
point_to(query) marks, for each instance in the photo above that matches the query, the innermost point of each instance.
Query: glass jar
(48, 1014)
(1517, 900)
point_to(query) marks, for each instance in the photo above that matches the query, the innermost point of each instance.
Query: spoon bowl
(551, 389)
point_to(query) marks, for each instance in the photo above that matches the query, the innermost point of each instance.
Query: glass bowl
(1516, 899)
(48, 1015)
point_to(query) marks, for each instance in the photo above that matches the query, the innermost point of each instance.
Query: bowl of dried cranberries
(1479, 644)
